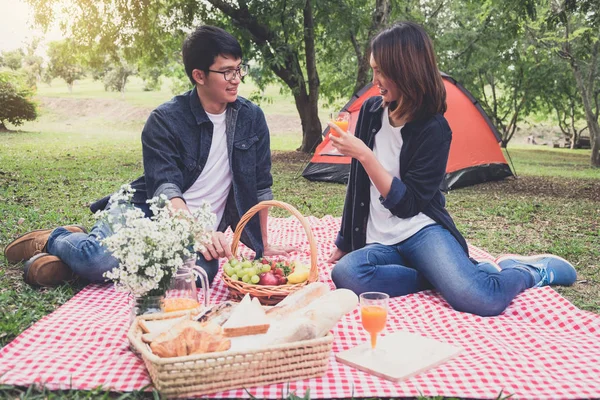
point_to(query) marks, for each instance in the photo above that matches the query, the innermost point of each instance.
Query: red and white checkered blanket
(541, 347)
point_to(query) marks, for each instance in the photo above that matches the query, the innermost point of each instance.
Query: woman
(396, 235)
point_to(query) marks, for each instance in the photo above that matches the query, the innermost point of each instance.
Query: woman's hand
(336, 254)
(348, 144)
(220, 247)
(284, 251)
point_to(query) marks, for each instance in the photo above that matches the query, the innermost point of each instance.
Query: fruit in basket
(299, 275)
(268, 279)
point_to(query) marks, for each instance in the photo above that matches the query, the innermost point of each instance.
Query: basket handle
(313, 274)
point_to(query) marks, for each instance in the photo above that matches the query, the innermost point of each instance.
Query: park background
(522, 60)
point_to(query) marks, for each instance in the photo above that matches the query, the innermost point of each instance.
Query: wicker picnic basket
(214, 372)
(270, 295)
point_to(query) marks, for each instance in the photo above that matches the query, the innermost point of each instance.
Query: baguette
(315, 319)
(289, 330)
(298, 299)
(327, 311)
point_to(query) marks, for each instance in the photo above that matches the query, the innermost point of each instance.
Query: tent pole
(307, 159)
(511, 163)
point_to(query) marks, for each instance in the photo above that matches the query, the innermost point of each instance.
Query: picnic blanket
(541, 347)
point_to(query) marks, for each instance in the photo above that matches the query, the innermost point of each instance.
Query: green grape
(246, 264)
(234, 277)
(266, 268)
(238, 269)
(254, 279)
(229, 270)
(234, 262)
(251, 271)
(246, 278)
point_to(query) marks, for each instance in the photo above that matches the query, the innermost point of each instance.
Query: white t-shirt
(382, 226)
(214, 182)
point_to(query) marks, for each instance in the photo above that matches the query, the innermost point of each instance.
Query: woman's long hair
(404, 54)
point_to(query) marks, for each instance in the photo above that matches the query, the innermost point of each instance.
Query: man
(205, 145)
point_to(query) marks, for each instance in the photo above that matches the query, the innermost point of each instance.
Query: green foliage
(16, 104)
(116, 76)
(487, 49)
(65, 61)
(12, 59)
(152, 78)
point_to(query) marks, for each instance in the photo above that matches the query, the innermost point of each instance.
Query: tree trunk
(70, 87)
(380, 19)
(311, 125)
(590, 117)
(3, 127)
(290, 71)
(308, 104)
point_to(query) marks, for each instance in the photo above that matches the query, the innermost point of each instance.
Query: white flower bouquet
(150, 250)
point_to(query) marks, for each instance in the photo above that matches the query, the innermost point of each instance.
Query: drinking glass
(373, 312)
(341, 119)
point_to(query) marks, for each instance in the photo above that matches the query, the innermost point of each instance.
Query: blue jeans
(431, 258)
(87, 258)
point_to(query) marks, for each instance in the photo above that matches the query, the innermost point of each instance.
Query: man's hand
(278, 250)
(336, 254)
(220, 247)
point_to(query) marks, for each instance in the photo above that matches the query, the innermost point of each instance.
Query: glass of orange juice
(341, 119)
(373, 312)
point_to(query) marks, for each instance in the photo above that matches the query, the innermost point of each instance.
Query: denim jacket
(176, 142)
(423, 158)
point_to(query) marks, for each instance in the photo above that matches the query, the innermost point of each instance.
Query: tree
(571, 29)
(13, 59)
(32, 63)
(284, 37)
(16, 105)
(563, 99)
(64, 61)
(487, 49)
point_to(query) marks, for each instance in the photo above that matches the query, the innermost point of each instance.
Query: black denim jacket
(423, 158)
(176, 141)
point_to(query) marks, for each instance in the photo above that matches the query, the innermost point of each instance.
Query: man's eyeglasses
(230, 74)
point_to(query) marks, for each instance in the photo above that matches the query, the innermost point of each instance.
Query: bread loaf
(288, 330)
(315, 319)
(298, 299)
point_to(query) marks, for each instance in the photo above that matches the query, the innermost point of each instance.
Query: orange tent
(475, 154)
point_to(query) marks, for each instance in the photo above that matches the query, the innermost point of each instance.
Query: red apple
(268, 278)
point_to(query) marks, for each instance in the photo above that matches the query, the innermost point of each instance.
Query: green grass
(52, 169)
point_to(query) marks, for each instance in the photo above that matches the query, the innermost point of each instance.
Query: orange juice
(373, 320)
(179, 303)
(343, 126)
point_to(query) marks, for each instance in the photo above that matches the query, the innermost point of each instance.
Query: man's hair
(202, 46)
(404, 54)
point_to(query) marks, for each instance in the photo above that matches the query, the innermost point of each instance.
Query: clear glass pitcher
(183, 294)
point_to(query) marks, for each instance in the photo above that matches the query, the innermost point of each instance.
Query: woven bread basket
(201, 374)
(270, 295)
